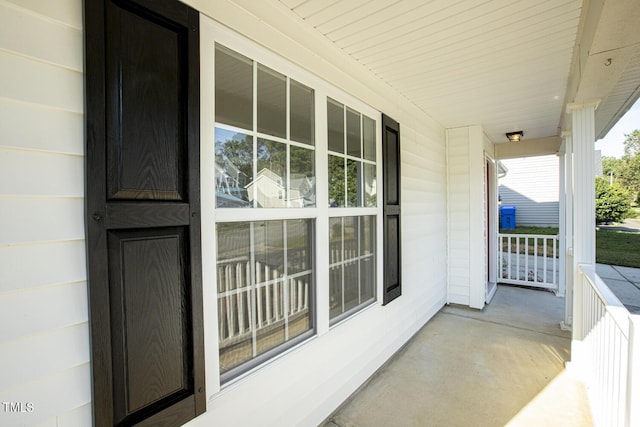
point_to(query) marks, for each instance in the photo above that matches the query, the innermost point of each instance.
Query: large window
(265, 146)
(351, 140)
(265, 289)
(264, 161)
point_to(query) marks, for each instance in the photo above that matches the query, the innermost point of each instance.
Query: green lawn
(612, 247)
(618, 248)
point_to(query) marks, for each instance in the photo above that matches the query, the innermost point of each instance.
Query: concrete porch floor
(500, 366)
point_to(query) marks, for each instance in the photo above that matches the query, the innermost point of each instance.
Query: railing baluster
(258, 292)
(239, 299)
(228, 298)
(267, 291)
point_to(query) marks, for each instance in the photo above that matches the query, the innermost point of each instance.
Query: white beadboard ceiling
(504, 64)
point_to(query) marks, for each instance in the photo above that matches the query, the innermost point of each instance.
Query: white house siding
(44, 344)
(465, 244)
(532, 185)
(44, 340)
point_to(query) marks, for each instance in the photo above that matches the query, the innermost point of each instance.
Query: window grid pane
(302, 113)
(355, 184)
(261, 305)
(272, 102)
(260, 174)
(234, 85)
(352, 264)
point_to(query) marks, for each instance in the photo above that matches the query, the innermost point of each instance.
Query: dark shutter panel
(391, 209)
(143, 211)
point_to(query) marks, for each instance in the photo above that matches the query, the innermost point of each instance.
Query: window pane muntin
(336, 178)
(335, 126)
(368, 138)
(302, 181)
(271, 102)
(354, 135)
(370, 184)
(233, 167)
(233, 85)
(273, 307)
(270, 184)
(354, 183)
(302, 113)
(268, 247)
(352, 272)
(299, 258)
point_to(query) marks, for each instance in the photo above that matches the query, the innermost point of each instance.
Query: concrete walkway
(500, 366)
(624, 282)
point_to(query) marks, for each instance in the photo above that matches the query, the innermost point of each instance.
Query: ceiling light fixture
(514, 136)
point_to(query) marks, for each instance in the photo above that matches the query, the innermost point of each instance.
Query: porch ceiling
(504, 64)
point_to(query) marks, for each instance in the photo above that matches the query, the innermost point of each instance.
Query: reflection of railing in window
(230, 180)
(350, 274)
(276, 305)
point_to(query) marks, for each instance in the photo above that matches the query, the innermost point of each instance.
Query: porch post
(567, 231)
(583, 249)
(562, 221)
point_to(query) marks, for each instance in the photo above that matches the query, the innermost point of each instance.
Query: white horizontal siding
(465, 199)
(44, 346)
(58, 262)
(37, 127)
(532, 186)
(458, 206)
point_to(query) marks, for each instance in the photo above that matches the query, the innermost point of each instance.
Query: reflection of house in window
(230, 185)
(270, 190)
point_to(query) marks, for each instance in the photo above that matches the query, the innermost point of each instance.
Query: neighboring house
(532, 185)
(134, 289)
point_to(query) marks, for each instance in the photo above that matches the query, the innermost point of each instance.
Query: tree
(629, 166)
(610, 164)
(632, 143)
(612, 202)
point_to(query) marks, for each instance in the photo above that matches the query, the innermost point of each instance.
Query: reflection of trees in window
(336, 181)
(284, 172)
(234, 170)
(352, 176)
(272, 156)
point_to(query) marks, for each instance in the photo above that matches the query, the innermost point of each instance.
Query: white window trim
(212, 32)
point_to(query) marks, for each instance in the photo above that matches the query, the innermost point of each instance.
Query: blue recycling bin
(508, 217)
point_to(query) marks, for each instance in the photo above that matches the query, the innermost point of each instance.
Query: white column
(562, 221)
(582, 193)
(567, 235)
(584, 217)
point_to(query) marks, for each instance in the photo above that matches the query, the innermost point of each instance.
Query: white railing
(244, 310)
(529, 259)
(605, 351)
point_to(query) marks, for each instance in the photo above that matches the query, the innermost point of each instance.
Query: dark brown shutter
(143, 211)
(391, 209)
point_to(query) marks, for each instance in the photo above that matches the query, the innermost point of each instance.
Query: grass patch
(612, 247)
(531, 230)
(618, 248)
(634, 212)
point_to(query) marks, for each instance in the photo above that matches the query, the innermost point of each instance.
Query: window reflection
(336, 181)
(302, 188)
(265, 289)
(352, 264)
(234, 168)
(270, 185)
